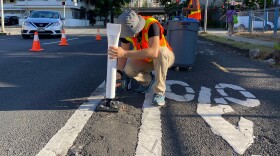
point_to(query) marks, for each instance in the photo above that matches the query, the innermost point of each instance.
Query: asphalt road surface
(228, 105)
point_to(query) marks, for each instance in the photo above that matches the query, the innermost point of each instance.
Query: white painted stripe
(149, 137)
(59, 41)
(60, 143)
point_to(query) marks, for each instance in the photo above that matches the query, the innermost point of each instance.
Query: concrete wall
(76, 23)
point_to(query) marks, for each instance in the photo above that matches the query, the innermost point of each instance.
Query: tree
(106, 7)
(83, 12)
(145, 4)
(257, 4)
(172, 8)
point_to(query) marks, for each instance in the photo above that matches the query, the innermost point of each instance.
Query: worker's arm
(195, 6)
(222, 16)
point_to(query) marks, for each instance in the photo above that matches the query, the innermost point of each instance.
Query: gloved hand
(123, 80)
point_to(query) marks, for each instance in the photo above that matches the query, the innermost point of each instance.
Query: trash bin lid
(189, 20)
(186, 24)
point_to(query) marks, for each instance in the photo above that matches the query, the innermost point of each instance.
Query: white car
(258, 23)
(44, 22)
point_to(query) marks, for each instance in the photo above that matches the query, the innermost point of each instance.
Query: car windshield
(7, 17)
(44, 14)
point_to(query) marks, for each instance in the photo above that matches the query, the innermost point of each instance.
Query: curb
(2, 34)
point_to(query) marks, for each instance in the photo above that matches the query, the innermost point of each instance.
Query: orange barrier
(98, 37)
(36, 43)
(63, 41)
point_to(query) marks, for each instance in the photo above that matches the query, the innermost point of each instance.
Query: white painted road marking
(150, 134)
(187, 97)
(60, 143)
(59, 41)
(250, 101)
(240, 137)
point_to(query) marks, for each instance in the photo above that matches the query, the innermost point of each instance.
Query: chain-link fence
(259, 20)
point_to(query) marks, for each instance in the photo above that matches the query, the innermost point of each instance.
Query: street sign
(63, 3)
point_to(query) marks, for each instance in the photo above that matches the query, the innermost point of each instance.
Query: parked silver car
(44, 22)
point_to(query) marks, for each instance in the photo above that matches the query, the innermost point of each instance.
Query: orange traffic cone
(98, 37)
(63, 41)
(36, 43)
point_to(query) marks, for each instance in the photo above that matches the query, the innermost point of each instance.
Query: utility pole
(265, 17)
(205, 16)
(2, 17)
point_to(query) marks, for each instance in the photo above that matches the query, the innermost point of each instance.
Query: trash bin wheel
(177, 69)
(190, 68)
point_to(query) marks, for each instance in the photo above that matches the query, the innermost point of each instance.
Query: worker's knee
(163, 54)
(129, 71)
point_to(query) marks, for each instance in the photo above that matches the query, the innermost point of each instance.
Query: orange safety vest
(144, 43)
(195, 14)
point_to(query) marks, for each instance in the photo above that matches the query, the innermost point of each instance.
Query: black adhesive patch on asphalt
(112, 133)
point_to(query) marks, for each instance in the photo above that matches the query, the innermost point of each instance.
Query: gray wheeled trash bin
(182, 37)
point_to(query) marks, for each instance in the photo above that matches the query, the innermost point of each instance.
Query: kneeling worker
(151, 52)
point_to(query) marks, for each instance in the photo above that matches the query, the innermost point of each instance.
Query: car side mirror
(62, 18)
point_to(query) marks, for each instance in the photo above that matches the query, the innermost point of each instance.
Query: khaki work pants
(140, 70)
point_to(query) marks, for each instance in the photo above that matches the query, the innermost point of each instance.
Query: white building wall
(21, 8)
(44, 2)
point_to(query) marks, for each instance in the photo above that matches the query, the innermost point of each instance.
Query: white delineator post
(113, 34)
(205, 16)
(2, 17)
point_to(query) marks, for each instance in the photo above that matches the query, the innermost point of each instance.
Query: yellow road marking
(220, 67)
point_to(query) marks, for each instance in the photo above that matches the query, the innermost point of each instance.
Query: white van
(258, 23)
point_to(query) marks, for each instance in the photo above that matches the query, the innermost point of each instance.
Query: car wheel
(25, 36)
(241, 27)
(268, 27)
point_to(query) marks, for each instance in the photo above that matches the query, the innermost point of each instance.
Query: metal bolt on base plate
(108, 105)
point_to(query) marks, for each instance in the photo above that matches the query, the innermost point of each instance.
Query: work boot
(146, 89)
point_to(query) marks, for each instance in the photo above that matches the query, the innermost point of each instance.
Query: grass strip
(265, 51)
(237, 44)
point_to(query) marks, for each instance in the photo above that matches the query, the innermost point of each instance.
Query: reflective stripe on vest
(195, 14)
(145, 37)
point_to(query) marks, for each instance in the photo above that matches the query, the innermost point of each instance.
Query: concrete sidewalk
(223, 33)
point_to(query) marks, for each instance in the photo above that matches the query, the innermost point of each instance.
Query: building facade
(144, 3)
(72, 9)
